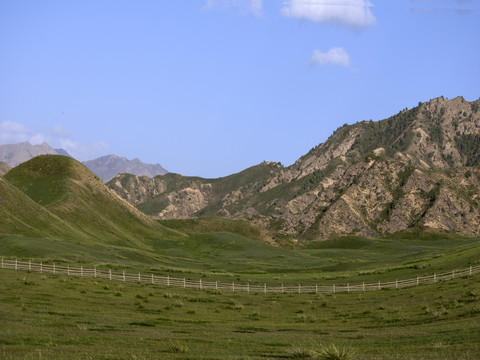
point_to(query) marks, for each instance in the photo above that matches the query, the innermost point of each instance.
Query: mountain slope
(4, 168)
(106, 167)
(21, 215)
(67, 189)
(417, 169)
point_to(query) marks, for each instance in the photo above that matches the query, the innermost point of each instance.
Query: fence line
(232, 287)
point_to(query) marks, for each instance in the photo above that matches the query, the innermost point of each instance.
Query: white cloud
(254, 7)
(354, 14)
(335, 56)
(12, 132)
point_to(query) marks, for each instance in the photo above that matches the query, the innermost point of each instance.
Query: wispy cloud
(335, 56)
(254, 7)
(12, 132)
(461, 7)
(353, 14)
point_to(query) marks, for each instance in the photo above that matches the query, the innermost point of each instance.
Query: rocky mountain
(415, 170)
(106, 167)
(15, 154)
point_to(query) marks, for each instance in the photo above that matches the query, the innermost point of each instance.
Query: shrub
(332, 352)
(301, 353)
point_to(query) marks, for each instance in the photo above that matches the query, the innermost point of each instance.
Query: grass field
(46, 316)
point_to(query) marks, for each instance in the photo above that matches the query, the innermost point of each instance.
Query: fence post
(68, 270)
(233, 286)
(200, 284)
(81, 271)
(216, 284)
(316, 289)
(41, 267)
(54, 268)
(139, 279)
(29, 265)
(153, 281)
(110, 274)
(168, 280)
(396, 284)
(282, 288)
(417, 280)
(453, 274)
(16, 264)
(470, 268)
(299, 289)
(184, 283)
(363, 286)
(123, 275)
(264, 288)
(2, 265)
(379, 286)
(333, 288)
(248, 287)
(434, 278)
(348, 288)
(95, 272)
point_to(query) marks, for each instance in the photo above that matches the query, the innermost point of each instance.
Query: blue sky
(211, 87)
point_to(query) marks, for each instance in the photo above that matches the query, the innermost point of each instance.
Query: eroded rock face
(419, 168)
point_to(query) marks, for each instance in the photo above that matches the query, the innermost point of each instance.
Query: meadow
(45, 316)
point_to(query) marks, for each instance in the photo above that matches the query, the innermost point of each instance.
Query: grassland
(56, 317)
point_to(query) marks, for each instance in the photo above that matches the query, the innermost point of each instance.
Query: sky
(211, 87)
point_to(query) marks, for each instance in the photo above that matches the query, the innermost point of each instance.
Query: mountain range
(105, 167)
(416, 170)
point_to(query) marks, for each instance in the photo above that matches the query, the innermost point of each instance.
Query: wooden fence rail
(230, 287)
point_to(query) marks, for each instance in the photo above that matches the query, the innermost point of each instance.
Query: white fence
(232, 287)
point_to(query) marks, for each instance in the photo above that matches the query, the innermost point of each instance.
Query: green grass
(232, 257)
(72, 203)
(208, 225)
(52, 317)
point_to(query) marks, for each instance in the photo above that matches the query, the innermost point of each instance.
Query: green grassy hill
(22, 216)
(53, 199)
(69, 190)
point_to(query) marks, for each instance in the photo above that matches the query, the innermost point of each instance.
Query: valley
(377, 202)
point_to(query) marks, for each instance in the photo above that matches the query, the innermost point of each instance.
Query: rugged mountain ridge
(416, 169)
(106, 167)
(15, 154)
